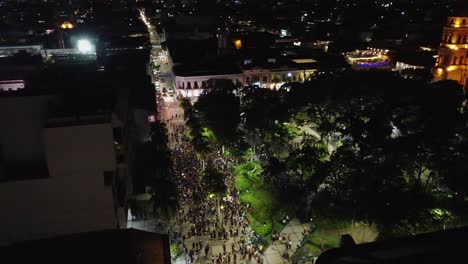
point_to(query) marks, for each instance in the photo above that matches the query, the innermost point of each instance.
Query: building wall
(22, 120)
(187, 86)
(403, 66)
(74, 198)
(273, 79)
(193, 86)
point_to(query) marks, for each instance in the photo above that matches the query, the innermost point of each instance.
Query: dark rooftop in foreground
(447, 246)
(121, 246)
(186, 51)
(218, 67)
(422, 58)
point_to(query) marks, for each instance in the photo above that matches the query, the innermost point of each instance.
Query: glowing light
(67, 25)
(238, 43)
(453, 47)
(451, 68)
(211, 195)
(84, 46)
(440, 71)
(374, 64)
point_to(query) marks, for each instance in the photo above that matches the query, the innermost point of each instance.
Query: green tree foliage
(396, 136)
(303, 162)
(396, 142)
(219, 110)
(214, 180)
(262, 107)
(214, 119)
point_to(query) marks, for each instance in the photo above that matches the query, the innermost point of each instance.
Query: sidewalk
(293, 229)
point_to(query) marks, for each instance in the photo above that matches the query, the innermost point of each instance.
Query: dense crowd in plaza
(204, 220)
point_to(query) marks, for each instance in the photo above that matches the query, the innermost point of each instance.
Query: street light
(84, 46)
(66, 25)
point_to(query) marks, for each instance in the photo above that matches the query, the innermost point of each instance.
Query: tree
(304, 161)
(214, 180)
(219, 110)
(261, 108)
(154, 168)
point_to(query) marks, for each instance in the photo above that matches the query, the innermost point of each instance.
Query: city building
(370, 58)
(414, 58)
(191, 81)
(59, 169)
(48, 180)
(272, 72)
(452, 61)
(247, 59)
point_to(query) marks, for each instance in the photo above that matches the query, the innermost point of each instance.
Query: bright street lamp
(84, 46)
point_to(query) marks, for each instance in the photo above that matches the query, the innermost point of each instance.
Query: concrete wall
(21, 134)
(74, 199)
(74, 149)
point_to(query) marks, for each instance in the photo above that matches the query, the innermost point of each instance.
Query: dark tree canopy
(219, 110)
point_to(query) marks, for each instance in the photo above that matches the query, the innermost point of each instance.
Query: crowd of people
(208, 228)
(212, 228)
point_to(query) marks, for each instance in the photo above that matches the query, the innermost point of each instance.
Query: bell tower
(452, 61)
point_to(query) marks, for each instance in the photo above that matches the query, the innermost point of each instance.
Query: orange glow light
(238, 43)
(67, 25)
(451, 68)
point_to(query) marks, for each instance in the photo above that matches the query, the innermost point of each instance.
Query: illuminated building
(368, 59)
(452, 61)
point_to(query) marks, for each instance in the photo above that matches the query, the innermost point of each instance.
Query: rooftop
(217, 67)
(120, 246)
(422, 58)
(437, 247)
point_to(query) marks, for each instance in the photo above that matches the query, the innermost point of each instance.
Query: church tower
(452, 61)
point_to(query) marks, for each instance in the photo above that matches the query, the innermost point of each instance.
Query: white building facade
(193, 86)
